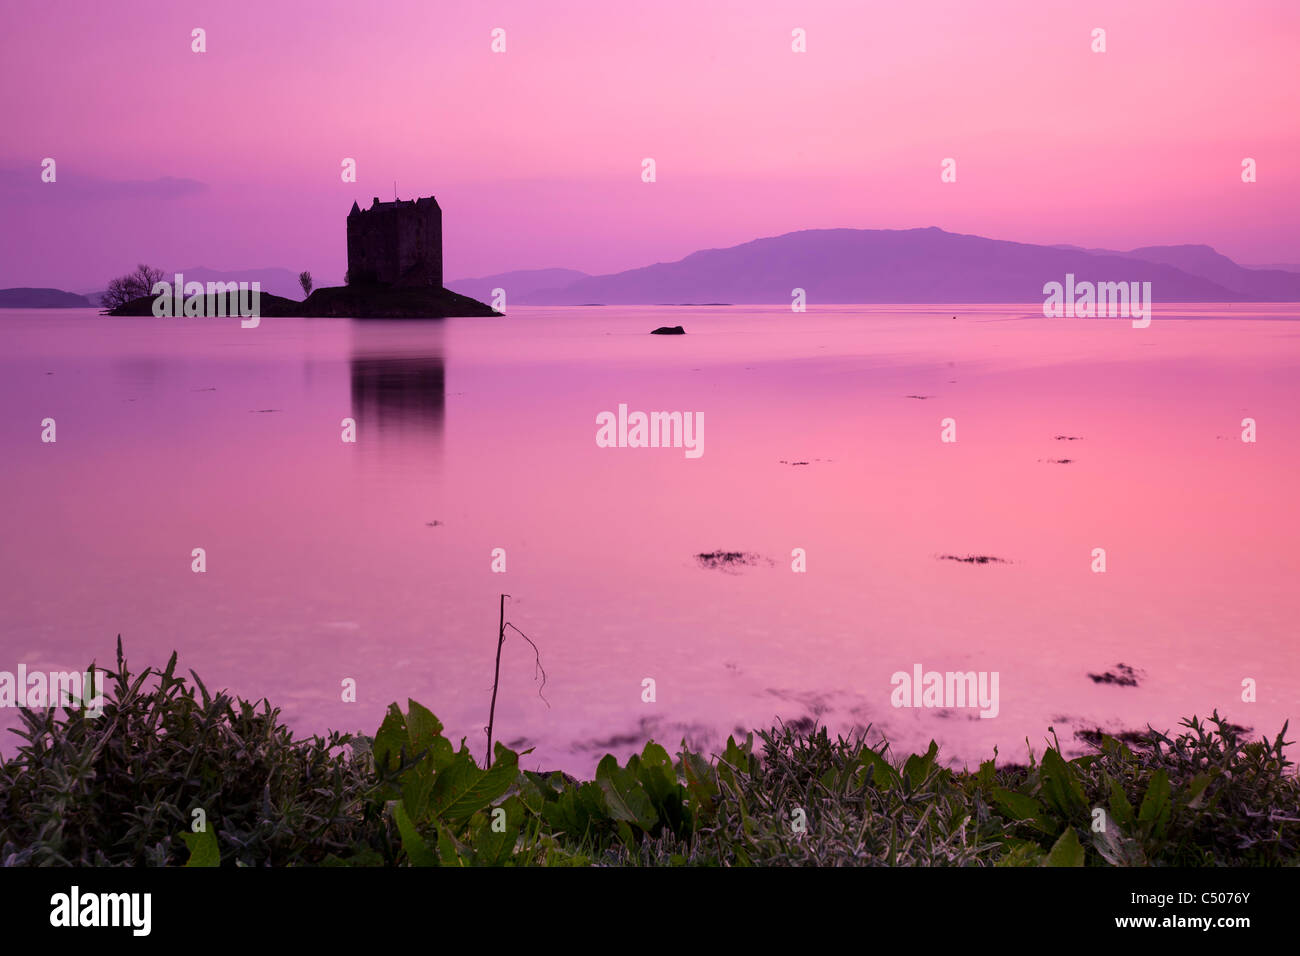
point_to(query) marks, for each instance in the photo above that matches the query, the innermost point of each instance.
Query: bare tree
(131, 286)
(119, 293)
(145, 278)
(304, 280)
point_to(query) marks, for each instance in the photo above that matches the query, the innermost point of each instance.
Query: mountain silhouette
(519, 283)
(25, 298)
(914, 265)
(844, 266)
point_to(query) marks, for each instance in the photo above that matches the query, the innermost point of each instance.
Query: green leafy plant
(439, 798)
(172, 774)
(118, 789)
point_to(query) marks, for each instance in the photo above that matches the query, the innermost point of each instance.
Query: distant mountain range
(518, 285)
(25, 298)
(838, 266)
(885, 265)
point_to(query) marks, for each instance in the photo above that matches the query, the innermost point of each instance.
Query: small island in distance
(394, 271)
(27, 297)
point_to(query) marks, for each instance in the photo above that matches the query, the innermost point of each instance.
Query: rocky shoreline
(356, 302)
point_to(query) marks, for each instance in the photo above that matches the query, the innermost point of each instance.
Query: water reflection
(394, 393)
(398, 391)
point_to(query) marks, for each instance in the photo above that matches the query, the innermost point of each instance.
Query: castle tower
(396, 243)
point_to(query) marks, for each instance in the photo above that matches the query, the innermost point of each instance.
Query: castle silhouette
(394, 272)
(396, 243)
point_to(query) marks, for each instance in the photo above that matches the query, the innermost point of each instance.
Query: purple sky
(231, 158)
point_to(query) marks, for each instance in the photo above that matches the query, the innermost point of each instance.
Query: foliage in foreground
(172, 774)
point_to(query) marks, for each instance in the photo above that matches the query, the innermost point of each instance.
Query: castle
(396, 243)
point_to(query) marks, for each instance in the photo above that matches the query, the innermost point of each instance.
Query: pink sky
(231, 158)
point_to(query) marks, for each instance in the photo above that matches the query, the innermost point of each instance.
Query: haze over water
(324, 561)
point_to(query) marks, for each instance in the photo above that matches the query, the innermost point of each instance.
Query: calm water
(372, 561)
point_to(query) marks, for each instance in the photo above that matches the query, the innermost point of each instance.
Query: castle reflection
(398, 392)
(398, 386)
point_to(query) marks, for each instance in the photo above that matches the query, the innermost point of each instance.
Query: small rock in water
(725, 560)
(1093, 736)
(669, 330)
(1127, 677)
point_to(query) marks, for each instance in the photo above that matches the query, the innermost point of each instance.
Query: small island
(394, 272)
